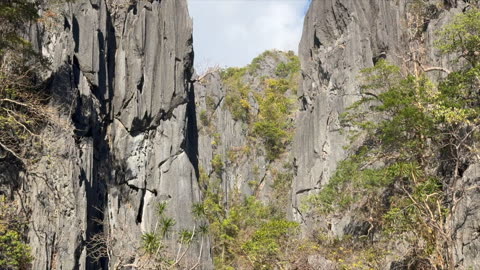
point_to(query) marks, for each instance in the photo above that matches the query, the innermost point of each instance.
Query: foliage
(273, 125)
(216, 139)
(236, 98)
(462, 36)
(250, 232)
(247, 233)
(286, 69)
(282, 184)
(14, 251)
(158, 254)
(23, 112)
(14, 16)
(210, 103)
(204, 118)
(266, 244)
(407, 122)
(150, 243)
(351, 253)
(217, 164)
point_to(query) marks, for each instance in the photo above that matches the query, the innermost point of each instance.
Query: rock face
(120, 81)
(340, 38)
(246, 168)
(131, 133)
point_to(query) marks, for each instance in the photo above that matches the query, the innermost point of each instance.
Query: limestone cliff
(246, 167)
(120, 81)
(135, 127)
(340, 38)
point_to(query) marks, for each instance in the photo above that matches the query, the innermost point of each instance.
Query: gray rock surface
(340, 38)
(120, 81)
(466, 220)
(127, 136)
(318, 262)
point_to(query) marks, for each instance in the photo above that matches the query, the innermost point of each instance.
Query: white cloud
(233, 32)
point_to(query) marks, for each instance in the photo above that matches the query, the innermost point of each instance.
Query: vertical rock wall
(126, 139)
(340, 38)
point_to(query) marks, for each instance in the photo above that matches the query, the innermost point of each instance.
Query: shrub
(281, 186)
(266, 244)
(248, 234)
(289, 68)
(150, 243)
(236, 99)
(217, 164)
(273, 125)
(204, 118)
(23, 104)
(14, 251)
(462, 37)
(210, 103)
(274, 137)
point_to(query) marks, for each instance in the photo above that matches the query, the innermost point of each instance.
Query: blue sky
(233, 32)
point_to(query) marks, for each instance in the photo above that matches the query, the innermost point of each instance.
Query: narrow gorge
(126, 158)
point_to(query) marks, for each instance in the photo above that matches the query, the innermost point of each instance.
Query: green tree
(15, 15)
(273, 124)
(462, 37)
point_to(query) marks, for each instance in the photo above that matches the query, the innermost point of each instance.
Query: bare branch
(13, 153)
(14, 102)
(436, 69)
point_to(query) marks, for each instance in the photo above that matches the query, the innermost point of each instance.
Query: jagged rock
(340, 38)
(127, 135)
(120, 80)
(466, 221)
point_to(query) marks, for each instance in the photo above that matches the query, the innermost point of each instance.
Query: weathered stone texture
(120, 81)
(340, 38)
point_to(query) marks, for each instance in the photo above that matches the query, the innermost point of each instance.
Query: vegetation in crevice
(290, 68)
(267, 107)
(272, 124)
(349, 252)
(237, 94)
(281, 186)
(14, 252)
(418, 136)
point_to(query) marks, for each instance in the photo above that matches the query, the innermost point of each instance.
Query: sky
(232, 32)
